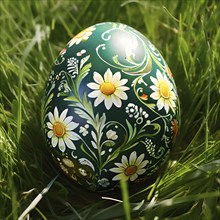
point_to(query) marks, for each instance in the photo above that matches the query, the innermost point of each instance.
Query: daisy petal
(116, 78)
(155, 95)
(69, 144)
(71, 126)
(124, 160)
(121, 82)
(108, 75)
(117, 170)
(54, 141)
(120, 165)
(108, 102)
(61, 145)
(133, 177)
(139, 160)
(51, 118)
(63, 114)
(86, 37)
(122, 88)
(143, 164)
(117, 102)
(172, 103)
(141, 171)
(93, 85)
(98, 78)
(154, 81)
(166, 106)
(68, 119)
(160, 103)
(94, 94)
(99, 99)
(49, 125)
(56, 114)
(50, 134)
(132, 158)
(72, 135)
(121, 95)
(159, 75)
(172, 95)
(155, 88)
(120, 176)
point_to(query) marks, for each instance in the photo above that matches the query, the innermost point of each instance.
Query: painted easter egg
(111, 107)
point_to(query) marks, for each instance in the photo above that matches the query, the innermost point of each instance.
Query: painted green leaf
(82, 74)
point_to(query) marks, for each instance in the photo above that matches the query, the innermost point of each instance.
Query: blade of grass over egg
(125, 198)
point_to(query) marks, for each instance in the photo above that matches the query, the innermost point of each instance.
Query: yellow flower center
(107, 88)
(164, 90)
(81, 34)
(58, 129)
(130, 170)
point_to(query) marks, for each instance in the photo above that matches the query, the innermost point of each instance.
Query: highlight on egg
(111, 109)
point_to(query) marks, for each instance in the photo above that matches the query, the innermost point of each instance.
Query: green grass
(188, 35)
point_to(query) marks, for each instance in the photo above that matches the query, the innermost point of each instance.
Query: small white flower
(80, 53)
(61, 130)
(111, 135)
(84, 130)
(83, 172)
(104, 182)
(130, 169)
(110, 89)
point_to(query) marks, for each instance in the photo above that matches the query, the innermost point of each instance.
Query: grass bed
(188, 35)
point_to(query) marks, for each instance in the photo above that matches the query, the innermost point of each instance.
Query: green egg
(111, 108)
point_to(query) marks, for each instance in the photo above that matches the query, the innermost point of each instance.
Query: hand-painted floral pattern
(130, 168)
(61, 130)
(110, 89)
(134, 111)
(111, 109)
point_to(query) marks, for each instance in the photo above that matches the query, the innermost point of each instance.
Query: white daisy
(130, 169)
(163, 92)
(109, 89)
(82, 36)
(61, 127)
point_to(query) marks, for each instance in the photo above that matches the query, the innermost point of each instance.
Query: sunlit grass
(188, 35)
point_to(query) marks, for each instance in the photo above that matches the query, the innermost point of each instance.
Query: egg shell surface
(111, 108)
